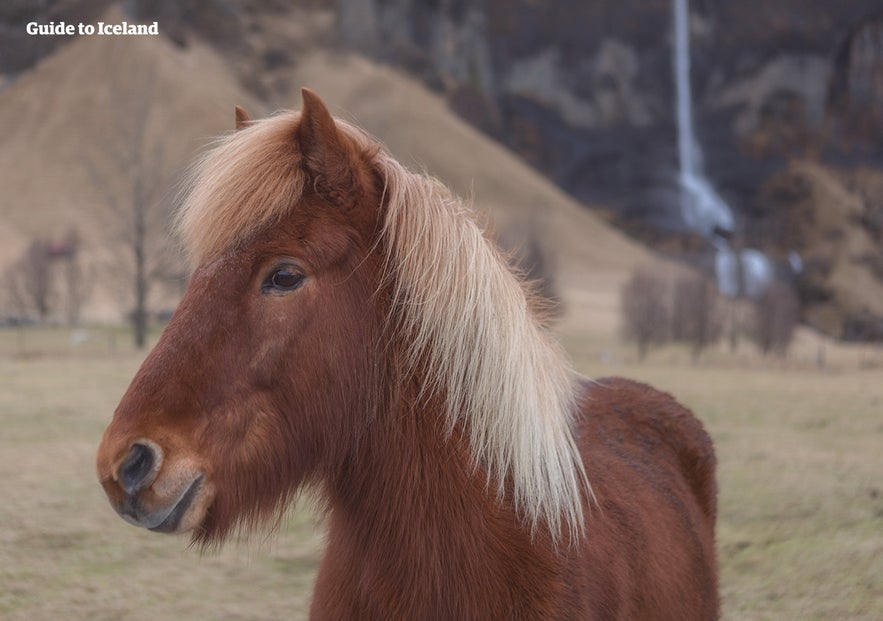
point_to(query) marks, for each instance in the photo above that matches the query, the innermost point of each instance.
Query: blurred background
(698, 187)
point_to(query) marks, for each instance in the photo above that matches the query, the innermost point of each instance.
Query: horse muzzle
(152, 492)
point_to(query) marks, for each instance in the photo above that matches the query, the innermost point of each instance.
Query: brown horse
(349, 327)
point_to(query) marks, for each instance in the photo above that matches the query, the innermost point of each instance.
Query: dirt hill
(77, 114)
(76, 118)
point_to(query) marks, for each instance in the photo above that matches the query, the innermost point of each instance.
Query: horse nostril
(136, 467)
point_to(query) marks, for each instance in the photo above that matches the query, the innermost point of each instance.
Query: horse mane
(468, 317)
(246, 182)
(465, 314)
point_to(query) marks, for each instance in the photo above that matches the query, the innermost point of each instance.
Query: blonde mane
(464, 313)
(467, 314)
(246, 182)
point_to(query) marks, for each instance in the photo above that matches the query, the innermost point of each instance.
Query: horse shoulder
(643, 420)
(649, 550)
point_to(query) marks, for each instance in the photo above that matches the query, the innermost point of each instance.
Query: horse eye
(283, 279)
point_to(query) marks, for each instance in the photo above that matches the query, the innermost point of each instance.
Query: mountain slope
(76, 116)
(78, 109)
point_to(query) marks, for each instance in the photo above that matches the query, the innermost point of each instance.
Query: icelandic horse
(349, 327)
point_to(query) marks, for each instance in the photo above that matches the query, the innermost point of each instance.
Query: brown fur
(262, 393)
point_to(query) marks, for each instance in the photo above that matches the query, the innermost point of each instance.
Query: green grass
(800, 534)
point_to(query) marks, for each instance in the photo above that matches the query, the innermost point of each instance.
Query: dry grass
(800, 451)
(64, 554)
(801, 502)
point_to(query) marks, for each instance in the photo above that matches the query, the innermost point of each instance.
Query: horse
(350, 329)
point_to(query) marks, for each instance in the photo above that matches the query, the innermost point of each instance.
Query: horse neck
(410, 509)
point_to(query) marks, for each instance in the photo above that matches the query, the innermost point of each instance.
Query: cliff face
(584, 91)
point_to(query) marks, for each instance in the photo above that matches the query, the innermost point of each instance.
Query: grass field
(800, 534)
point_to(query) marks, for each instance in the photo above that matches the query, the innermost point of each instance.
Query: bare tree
(645, 309)
(775, 318)
(29, 281)
(734, 322)
(14, 296)
(521, 242)
(538, 268)
(696, 319)
(78, 284)
(48, 280)
(14, 300)
(133, 183)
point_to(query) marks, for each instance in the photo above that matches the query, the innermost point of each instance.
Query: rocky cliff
(584, 91)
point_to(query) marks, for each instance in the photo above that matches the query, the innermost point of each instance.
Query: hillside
(77, 114)
(77, 110)
(833, 217)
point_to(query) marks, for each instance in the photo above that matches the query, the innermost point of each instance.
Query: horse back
(652, 470)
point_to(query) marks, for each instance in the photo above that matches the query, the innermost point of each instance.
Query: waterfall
(702, 208)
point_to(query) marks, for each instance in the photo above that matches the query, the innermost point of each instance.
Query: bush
(775, 318)
(645, 310)
(695, 317)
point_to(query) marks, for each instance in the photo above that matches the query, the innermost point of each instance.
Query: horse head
(262, 377)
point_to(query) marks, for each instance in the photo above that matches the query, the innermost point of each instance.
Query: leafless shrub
(521, 242)
(736, 320)
(696, 317)
(48, 281)
(775, 318)
(645, 309)
(14, 299)
(78, 287)
(539, 269)
(29, 282)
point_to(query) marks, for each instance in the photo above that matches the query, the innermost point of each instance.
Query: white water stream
(702, 208)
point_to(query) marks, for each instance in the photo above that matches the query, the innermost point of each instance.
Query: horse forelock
(247, 181)
(466, 317)
(243, 183)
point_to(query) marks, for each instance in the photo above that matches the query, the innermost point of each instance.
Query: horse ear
(329, 157)
(242, 118)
